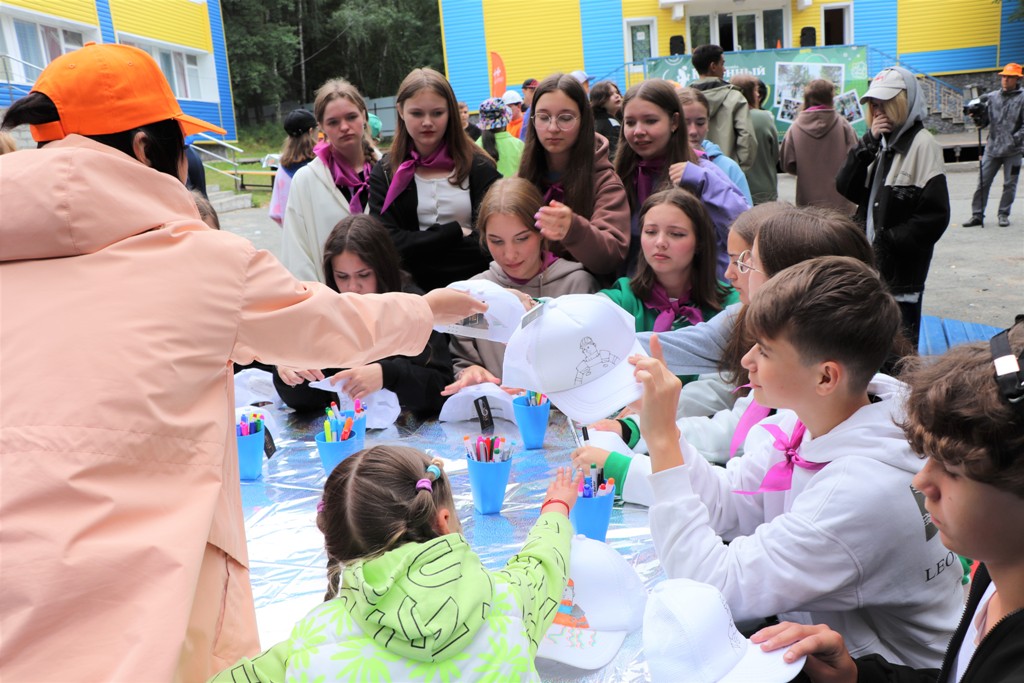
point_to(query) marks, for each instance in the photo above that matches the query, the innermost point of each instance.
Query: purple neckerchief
(668, 310)
(345, 176)
(546, 259)
(555, 193)
(648, 171)
(780, 475)
(818, 107)
(754, 413)
(438, 159)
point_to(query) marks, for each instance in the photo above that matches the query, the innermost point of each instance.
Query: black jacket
(999, 658)
(911, 210)
(610, 127)
(439, 255)
(417, 380)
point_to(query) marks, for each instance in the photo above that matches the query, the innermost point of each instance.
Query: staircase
(226, 200)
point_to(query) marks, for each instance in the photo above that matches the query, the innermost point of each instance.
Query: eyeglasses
(563, 122)
(742, 263)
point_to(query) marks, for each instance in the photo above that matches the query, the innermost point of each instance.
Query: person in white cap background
(1004, 109)
(584, 79)
(514, 102)
(896, 177)
(123, 553)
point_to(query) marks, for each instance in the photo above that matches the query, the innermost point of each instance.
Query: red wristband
(556, 500)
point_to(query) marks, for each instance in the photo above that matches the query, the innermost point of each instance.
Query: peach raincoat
(122, 546)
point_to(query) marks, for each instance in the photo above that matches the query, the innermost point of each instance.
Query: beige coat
(122, 545)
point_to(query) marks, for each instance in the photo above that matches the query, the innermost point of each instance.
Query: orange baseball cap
(1012, 69)
(109, 88)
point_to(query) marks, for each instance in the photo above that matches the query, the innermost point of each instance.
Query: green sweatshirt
(427, 612)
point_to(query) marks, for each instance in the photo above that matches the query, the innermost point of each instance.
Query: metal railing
(229, 157)
(15, 90)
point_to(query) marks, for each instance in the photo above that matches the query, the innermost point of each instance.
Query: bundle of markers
(335, 427)
(488, 448)
(594, 484)
(249, 424)
(535, 398)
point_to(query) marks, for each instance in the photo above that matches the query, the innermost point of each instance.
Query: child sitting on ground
(823, 525)
(966, 416)
(408, 597)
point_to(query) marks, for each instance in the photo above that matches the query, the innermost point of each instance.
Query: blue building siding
(223, 112)
(106, 22)
(466, 51)
(1011, 38)
(963, 59)
(874, 25)
(603, 50)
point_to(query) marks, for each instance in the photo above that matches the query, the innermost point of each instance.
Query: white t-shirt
(972, 637)
(441, 202)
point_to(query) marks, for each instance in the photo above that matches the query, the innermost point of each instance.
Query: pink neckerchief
(555, 193)
(345, 176)
(546, 259)
(669, 311)
(780, 475)
(648, 171)
(818, 107)
(438, 159)
(754, 413)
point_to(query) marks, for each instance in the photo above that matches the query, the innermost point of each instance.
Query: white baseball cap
(512, 97)
(575, 349)
(885, 86)
(602, 603)
(459, 405)
(580, 75)
(504, 310)
(689, 635)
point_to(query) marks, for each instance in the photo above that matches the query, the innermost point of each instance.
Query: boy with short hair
(966, 416)
(824, 525)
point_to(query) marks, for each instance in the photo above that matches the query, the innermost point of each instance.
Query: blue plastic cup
(488, 481)
(590, 516)
(532, 421)
(250, 456)
(333, 452)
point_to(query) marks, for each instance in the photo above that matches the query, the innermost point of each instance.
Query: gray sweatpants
(989, 167)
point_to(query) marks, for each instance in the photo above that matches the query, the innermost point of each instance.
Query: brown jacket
(123, 553)
(814, 149)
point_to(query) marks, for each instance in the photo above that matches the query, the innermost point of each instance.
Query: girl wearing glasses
(585, 215)
(658, 150)
(426, 190)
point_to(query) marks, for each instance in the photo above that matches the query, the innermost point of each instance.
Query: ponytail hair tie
(320, 505)
(424, 484)
(435, 470)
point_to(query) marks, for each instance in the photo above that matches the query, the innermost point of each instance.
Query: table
(287, 560)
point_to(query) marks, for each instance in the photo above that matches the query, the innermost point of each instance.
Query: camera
(977, 109)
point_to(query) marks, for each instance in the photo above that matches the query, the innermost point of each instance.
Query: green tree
(382, 40)
(263, 46)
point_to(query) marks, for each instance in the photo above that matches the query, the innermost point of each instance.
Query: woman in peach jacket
(122, 546)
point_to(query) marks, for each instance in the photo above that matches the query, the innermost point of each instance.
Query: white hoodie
(849, 545)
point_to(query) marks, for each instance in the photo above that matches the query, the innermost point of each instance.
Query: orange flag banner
(498, 80)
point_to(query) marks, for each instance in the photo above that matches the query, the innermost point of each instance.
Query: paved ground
(976, 275)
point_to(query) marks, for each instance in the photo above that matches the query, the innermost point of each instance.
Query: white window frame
(847, 28)
(203, 72)
(627, 36)
(708, 9)
(19, 71)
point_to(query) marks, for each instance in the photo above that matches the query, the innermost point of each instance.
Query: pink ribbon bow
(669, 311)
(345, 176)
(754, 413)
(438, 159)
(780, 475)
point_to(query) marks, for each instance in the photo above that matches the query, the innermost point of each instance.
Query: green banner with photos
(786, 72)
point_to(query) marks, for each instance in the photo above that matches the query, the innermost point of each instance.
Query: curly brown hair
(956, 414)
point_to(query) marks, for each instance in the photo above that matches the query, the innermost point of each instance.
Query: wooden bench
(268, 176)
(939, 334)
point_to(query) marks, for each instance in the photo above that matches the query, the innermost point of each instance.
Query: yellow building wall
(636, 9)
(532, 48)
(812, 17)
(180, 22)
(83, 11)
(926, 25)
